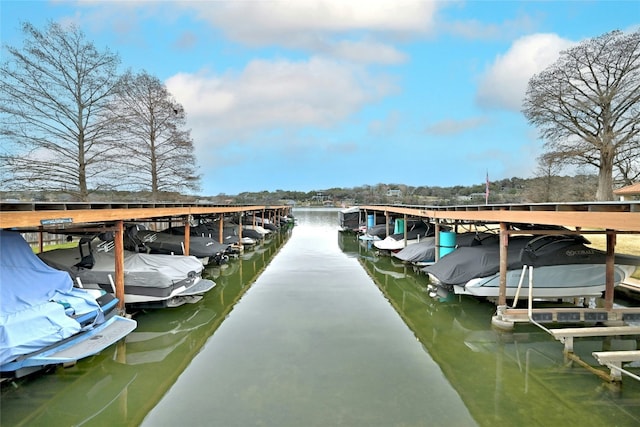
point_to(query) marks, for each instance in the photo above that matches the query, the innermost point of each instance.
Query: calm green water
(313, 329)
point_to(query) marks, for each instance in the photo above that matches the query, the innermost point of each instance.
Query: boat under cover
(416, 231)
(212, 229)
(563, 266)
(203, 247)
(44, 319)
(350, 219)
(424, 252)
(150, 280)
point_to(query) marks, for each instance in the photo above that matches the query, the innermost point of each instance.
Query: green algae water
(312, 328)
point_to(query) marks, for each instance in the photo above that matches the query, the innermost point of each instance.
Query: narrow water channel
(313, 329)
(314, 342)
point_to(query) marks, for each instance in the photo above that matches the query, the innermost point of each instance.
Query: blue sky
(309, 95)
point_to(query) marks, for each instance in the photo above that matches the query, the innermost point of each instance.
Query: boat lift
(611, 359)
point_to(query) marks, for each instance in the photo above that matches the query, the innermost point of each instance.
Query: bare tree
(587, 104)
(156, 148)
(627, 165)
(546, 187)
(54, 93)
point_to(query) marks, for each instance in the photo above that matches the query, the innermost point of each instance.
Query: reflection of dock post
(121, 357)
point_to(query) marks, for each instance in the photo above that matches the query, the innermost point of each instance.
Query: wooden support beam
(437, 241)
(221, 231)
(609, 270)
(386, 218)
(119, 263)
(405, 230)
(187, 236)
(504, 244)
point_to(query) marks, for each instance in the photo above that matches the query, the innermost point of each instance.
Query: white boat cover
(35, 301)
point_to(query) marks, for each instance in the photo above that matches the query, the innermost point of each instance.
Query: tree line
(539, 189)
(72, 125)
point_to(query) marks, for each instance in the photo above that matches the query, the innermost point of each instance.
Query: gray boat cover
(464, 264)
(36, 301)
(425, 250)
(167, 243)
(379, 230)
(140, 270)
(417, 229)
(212, 230)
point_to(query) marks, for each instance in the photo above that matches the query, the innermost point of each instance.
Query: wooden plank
(609, 216)
(24, 219)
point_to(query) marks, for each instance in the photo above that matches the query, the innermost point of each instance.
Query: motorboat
(350, 219)
(256, 234)
(208, 250)
(264, 222)
(376, 232)
(44, 319)
(150, 280)
(558, 266)
(415, 231)
(423, 253)
(211, 229)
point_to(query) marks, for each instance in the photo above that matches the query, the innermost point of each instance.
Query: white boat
(415, 232)
(44, 319)
(150, 280)
(563, 266)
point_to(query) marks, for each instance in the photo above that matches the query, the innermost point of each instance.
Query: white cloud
(362, 31)
(366, 52)
(350, 30)
(269, 95)
(504, 83)
(266, 21)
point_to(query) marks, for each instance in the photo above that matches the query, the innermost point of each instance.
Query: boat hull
(548, 282)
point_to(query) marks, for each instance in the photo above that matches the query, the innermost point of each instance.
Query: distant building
(394, 193)
(319, 198)
(627, 193)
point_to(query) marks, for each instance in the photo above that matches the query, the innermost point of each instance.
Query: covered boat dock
(609, 218)
(82, 217)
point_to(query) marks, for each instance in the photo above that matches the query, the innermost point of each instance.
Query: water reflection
(326, 333)
(120, 385)
(503, 377)
(314, 343)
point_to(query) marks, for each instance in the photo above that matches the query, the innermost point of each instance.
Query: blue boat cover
(36, 301)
